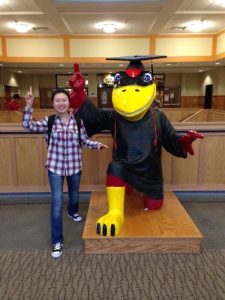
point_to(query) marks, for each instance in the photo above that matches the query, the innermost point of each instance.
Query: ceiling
(149, 17)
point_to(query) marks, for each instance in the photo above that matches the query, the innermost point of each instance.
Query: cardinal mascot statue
(139, 132)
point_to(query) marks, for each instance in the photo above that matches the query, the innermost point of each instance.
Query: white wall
(47, 81)
(221, 81)
(29, 80)
(217, 78)
(10, 78)
(92, 85)
(173, 80)
(190, 84)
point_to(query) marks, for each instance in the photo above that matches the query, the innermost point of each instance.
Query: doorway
(208, 96)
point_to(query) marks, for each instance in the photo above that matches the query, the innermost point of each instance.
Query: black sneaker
(76, 217)
(57, 250)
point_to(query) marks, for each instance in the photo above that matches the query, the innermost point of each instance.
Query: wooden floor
(168, 230)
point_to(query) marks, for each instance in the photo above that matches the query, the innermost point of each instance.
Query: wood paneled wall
(10, 116)
(23, 157)
(206, 115)
(192, 102)
(2, 103)
(174, 114)
(218, 102)
(179, 114)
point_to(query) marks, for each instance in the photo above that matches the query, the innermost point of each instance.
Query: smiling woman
(65, 135)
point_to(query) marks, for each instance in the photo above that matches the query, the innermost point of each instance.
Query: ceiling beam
(52, 15)
(168, 10)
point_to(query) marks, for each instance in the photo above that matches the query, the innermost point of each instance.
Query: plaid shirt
(64, 153)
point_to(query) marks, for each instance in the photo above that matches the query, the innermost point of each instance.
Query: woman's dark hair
(16, 96)
(59, 91)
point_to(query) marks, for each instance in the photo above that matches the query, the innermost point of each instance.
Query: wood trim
(194, 115)
(152, 46)
(221, 32)
(152, 39)
(67, 47)
(13, 165)
(110, 36)
(220, 55)
(201, 163)
(214, 46)
(186, 36)
(4, 48)
(41, 146)
(30, 36)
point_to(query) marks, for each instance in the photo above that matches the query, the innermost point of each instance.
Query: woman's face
(61, 103)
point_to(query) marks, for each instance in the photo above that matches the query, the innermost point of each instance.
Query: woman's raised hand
(29, 98)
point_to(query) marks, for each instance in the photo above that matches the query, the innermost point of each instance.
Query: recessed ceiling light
(200, 70)
(109, 28)
(19, 72)
(196, 26)
(169, 64)
(61, 65)
(22, 27)
(217, 63)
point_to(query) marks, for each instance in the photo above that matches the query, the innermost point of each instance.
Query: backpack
(51, 120)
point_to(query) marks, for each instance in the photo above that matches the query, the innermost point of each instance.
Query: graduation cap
(135, 61)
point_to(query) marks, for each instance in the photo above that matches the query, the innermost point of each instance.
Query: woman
(64, 159)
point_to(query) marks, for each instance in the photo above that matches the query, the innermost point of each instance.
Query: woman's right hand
(29, 98)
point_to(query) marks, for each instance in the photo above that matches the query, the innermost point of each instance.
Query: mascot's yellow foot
(111, 223)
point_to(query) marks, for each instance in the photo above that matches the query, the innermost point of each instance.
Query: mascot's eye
(147, 78)
(117, 78)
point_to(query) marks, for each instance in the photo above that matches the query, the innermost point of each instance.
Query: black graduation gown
(137, 145)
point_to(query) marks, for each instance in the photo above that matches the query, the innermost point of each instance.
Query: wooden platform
(169, 230)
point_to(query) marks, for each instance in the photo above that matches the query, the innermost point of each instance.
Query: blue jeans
(56, 184)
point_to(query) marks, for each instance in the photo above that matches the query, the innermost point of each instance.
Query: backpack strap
(51, 120)
(78, 121)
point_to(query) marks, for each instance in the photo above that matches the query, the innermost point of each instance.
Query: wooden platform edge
(119, 246)
(188, 242)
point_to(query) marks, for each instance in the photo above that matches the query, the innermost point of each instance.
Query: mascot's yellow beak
(133, 101)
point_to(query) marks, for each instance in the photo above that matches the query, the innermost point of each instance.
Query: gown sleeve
(171, 138)
(96, 119)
